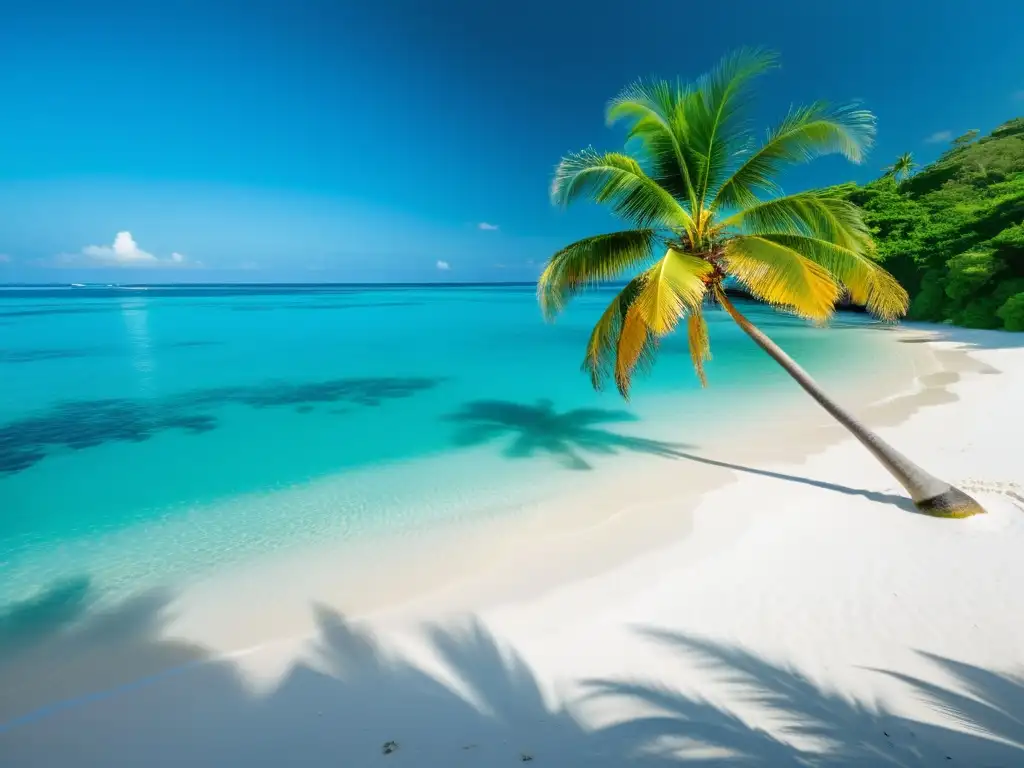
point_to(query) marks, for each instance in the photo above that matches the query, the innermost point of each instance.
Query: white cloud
(1019, 95)
(444, 266)
(939, 136)
(124, 252)
(5, 259)
(487, 227)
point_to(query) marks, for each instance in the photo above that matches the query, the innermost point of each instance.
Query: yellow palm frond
(602, 347)
(651, 305)
(700, 343)
(672, 286)
(782, 277)
(869, 284)
(635, 343)
(590, 261)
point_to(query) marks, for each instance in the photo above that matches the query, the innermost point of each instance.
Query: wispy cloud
(123, 252)
(488, 227)
(1019, 95)
(5, 259)
(938, 137)
(444, 266)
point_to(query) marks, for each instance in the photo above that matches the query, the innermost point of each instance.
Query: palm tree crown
(903, 167)
(703, 202)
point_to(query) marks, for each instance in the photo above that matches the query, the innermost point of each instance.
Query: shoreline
(348, 509)
(601, 566)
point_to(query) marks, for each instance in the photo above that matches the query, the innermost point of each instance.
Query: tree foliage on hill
(953, 234)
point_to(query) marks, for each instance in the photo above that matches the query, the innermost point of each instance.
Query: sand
(793, 612)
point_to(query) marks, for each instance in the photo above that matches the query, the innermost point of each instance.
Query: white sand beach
(776, 602)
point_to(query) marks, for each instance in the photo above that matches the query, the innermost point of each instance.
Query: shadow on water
(539, 428)
(84, 424)
(111, 688)
(567, 436)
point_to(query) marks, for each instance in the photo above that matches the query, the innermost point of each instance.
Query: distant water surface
(147, 433)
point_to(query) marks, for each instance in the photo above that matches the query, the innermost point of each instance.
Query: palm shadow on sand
(529, 430)
(121, 691)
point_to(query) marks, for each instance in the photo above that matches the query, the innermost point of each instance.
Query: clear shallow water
(146, 434)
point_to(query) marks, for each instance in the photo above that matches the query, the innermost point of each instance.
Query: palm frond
(806, 133)
(782, 277)
(869, 284)
(589, 261)
(600, 361)
(619, 181)
(902, 168)
(672, 286)
(635, 347)
(650, 306)
(699, 342)
(712, 118)
(655, 115)
(819, 213)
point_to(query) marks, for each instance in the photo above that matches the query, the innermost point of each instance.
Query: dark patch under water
(60, 311)
(35, 355)
(16, 356)
(82, 424)
(289, 307)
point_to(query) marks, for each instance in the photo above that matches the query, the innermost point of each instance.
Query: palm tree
(699, 191)
(902, 168)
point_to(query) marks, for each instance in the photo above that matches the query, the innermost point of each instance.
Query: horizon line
(449, 284)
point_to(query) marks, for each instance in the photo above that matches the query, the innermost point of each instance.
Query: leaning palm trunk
(931, 495)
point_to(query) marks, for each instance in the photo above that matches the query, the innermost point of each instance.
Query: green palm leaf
(806, 133)
(655, 115)
(619, 181)
(817, 213)
(597, 259)
(713, 118)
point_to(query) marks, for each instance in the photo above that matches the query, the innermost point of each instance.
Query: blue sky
(308, 140)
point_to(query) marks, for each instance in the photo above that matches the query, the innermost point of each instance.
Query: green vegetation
(702, 201)
(952, 234)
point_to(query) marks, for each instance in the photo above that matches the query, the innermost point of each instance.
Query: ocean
(150, 434)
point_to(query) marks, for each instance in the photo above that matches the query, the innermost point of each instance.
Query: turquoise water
(148, 433)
